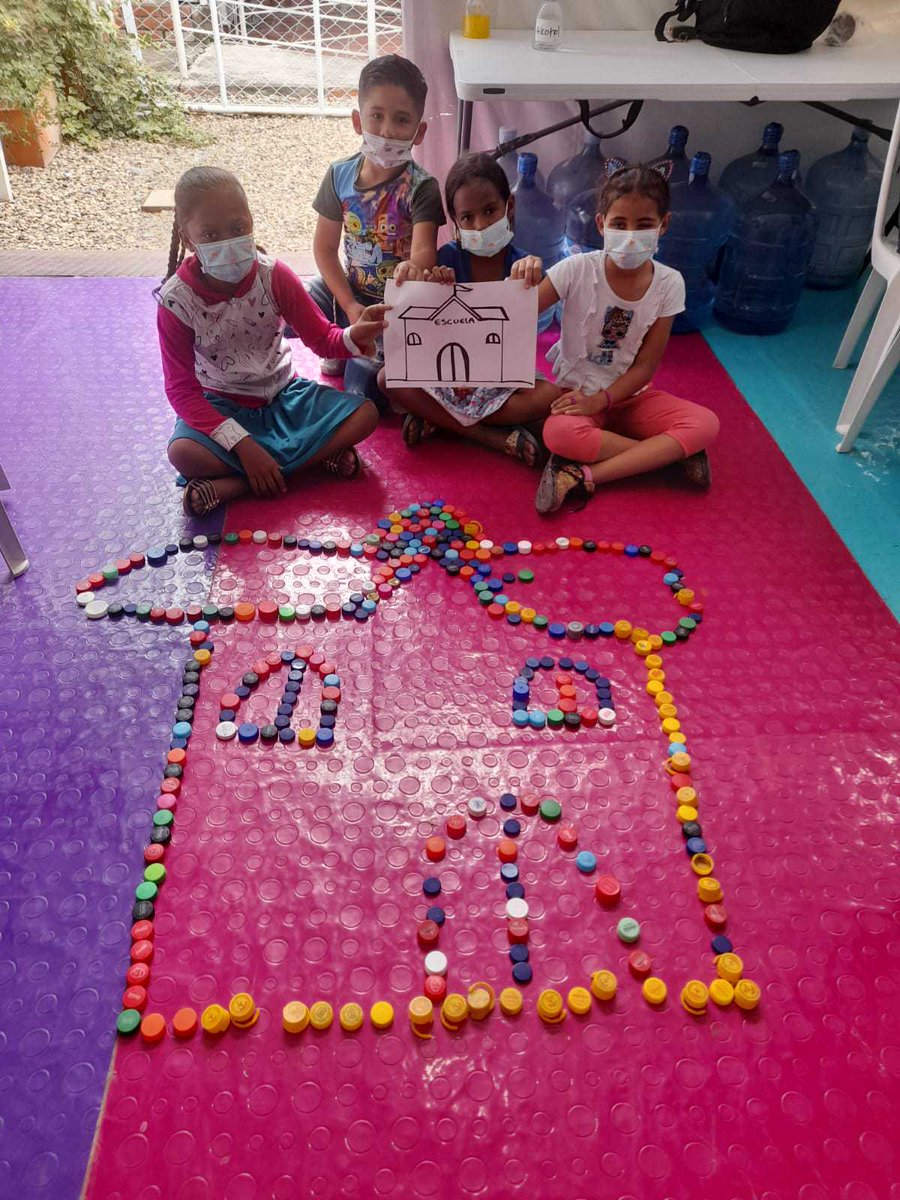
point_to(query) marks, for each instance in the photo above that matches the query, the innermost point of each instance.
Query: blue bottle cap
(518, 954)
(507, 801)
(436, 914)
(522, 973)
(431, 886)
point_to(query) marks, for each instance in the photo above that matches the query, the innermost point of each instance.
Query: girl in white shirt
(606, 419)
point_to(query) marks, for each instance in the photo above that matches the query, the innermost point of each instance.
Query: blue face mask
(227, 261)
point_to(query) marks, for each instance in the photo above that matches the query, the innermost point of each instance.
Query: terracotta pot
(33, 139)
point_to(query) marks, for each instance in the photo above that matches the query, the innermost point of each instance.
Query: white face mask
(485, 242)
(630, 248)
(386, 152)
(228, 261)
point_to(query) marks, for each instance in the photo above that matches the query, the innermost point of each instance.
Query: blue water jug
(582, 234)
(586, 169)
(539, 225)
(745, 177)
(702, 216)
(767, 255)
(676, 154)
(844, 188)
(510, 162)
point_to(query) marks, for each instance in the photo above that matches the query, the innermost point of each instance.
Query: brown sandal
(524, 446)
(200, 497)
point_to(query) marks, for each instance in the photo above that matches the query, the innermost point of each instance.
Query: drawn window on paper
(454, 339)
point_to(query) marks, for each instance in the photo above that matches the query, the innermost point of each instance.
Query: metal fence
(279, 56)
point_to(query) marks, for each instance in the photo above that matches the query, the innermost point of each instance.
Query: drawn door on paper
(453, 364)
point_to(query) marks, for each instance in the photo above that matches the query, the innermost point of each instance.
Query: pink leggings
(641, 416)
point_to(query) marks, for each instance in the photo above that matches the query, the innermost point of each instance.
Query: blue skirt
(301, 419)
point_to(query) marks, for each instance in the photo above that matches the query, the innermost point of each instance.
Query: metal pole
(320, 68)
(370, 23)
(179, 38)
(5, 188)
(217, 47)
(131, 29)
(242, 21)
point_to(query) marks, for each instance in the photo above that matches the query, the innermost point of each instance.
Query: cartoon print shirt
(601, 332)
(377, 221)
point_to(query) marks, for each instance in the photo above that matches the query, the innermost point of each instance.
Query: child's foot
(199, 497)
(416, 429)
(559, 481)
(346, 463)
(332, 366)
(522, 445)
(697, 469)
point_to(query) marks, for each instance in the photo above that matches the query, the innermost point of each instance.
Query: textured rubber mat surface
(298, 874)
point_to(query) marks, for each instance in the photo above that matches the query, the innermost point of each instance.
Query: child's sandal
(199, 497)
(346, 464)
(415, 429)
(524, 446)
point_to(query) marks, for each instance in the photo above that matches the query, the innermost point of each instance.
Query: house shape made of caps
(455, 343)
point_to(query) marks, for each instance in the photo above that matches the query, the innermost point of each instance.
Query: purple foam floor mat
(84, 425)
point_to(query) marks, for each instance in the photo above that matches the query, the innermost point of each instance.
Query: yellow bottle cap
(350, 1017)
(680, 761)
(654, 662)
(654, 687)
(202, 657)
(321, 1015)
(623, 629)
(685, 813)
(603, 985)
(655, 673)
(730, 966)
(639, 635)
(709, 890)
(668, 710)
(702, 864)
(684, 596)
(241, 1008)
(671, 725)
(642, 648)
(721, 992)
(295, 1016)
(550, 1006)
(687, 795)
(746, 994)
(654, 990)
(382, 1014)
(215, 1019)
(421, 1010)
(481, 1001)
(528, 615)
(662, 698)
(579, 1001)
(655, 641)
(510, 1002)
(455, 1009)
(306, 737)
(694, 996)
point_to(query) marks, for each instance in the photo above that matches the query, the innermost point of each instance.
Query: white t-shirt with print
(601, 332)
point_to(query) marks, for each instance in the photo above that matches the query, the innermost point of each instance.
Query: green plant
(101, 90)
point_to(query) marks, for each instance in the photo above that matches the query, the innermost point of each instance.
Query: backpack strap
(683, 12)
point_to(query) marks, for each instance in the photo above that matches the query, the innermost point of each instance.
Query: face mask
(386, 152)
(485, 242)
(227, 261)
(630, 248)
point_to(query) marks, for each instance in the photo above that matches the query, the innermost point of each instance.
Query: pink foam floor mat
(297, 874)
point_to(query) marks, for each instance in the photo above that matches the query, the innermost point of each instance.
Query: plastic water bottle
(844, 188)
(539, 225)
(767, 255)
(582, 234)
(477, 20)
(548, 27)
(510, 162)
(574, 175)
(676, 154)
(745, 177)
(702, 217)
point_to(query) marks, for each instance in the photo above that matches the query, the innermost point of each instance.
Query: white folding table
(632, 65)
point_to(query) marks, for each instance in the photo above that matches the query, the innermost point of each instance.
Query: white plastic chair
(10, 546)
(882, 353)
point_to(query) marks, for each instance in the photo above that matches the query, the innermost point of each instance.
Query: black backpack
(765, 26)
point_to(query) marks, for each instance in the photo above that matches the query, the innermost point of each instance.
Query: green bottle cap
(230, 538)
(155, 873)
(163, 816)
(551, 810)
(146, 891)
(555, 718)
(128, 1021)
(541, 622)
(526, 576)
(286, 612)
(668, 637)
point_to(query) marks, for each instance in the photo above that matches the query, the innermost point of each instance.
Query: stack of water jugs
(745, 247)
